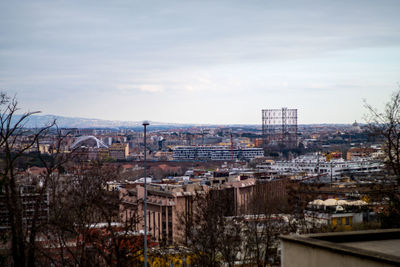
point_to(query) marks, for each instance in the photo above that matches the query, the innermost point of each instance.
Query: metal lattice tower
(279, 128)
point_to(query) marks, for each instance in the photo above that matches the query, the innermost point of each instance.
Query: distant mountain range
(36, 121)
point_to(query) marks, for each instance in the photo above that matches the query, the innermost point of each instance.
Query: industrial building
(279, 128)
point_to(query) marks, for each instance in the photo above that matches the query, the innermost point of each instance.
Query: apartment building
(29, 197)
(169, 204)
(360, 152)
(216, 153)
(314, 164)
(338, 213)
(119, 151)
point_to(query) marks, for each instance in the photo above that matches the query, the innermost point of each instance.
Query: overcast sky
(200, 61)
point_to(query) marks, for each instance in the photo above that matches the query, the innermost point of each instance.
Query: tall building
(29, 198)
(279, 128)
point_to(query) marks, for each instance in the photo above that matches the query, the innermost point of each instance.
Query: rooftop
(377, 245)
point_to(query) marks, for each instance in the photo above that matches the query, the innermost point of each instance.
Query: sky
(215, 62)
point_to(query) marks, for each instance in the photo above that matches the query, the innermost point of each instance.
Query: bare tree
(81, 225)
(230, 240)
(15, 140)
(84, 224)
(262, 228)
(117, 244)
(213, 235)
(386, 125)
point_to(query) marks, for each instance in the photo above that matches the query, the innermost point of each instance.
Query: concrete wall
(298, 254)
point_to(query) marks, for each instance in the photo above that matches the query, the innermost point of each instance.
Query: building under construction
(279, 128)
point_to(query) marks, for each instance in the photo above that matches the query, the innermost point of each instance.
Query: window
(347, 220)
(169, 232)
(154, 223)
(169, 214)
(159, 225)
(164, 213)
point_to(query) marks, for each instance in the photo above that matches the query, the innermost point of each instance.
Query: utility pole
(145, 123)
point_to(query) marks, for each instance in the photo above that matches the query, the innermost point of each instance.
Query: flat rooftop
(379, 245)
(390, 247)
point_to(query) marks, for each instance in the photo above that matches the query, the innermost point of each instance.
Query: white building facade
(216, 153)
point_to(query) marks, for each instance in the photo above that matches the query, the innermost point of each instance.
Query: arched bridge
(81, 139)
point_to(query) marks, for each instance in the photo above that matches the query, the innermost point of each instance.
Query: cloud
(151, 88)
(187, 51)
(147, 88)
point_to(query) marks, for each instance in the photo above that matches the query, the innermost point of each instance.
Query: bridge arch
(80, 139)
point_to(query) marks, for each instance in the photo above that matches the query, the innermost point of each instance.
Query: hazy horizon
(156, 123)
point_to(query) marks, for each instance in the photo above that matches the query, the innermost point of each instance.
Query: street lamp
(145, 123)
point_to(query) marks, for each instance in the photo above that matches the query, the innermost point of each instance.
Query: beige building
(360, 152)
(119, 151)
(166, 204)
